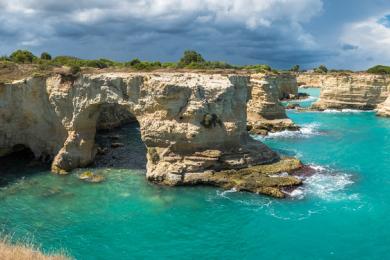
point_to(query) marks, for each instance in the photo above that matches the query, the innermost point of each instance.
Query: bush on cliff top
(321, 69)
(379, 69)
(23, 56)
(191, 57)
(190, 60)
(45, 56)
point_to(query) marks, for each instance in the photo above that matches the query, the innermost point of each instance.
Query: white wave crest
(308, 99)
(326, 184)
(305, 131)
(331, 111)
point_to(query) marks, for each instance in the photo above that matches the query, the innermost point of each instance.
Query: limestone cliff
(192, 124)
(384, 108)
(350, 91)
(314, 80)
(265, 112)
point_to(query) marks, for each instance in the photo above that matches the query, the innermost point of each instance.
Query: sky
(341, 34)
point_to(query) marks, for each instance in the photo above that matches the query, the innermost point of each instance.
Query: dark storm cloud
(237, 31)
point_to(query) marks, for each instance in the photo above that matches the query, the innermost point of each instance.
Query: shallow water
(341, 211)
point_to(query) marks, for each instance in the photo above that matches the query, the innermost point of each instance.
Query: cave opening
(20, 162)
(118, 139)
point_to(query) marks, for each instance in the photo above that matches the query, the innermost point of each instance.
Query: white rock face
(349, 90)
(265, 112)
(189, 123)
(384, 108)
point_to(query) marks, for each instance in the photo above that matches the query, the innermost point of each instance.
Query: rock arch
(192, 124)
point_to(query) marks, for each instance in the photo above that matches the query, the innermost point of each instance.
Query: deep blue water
(342, 211)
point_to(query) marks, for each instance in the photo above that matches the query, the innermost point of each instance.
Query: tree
(135, 62)
(321, 69)
(45, 56)
(295, 68)
(191, 57)
(22, 56)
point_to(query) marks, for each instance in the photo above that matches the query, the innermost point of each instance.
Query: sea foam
(324, 183)
(305, 131)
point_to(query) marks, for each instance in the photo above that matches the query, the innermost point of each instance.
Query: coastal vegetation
(379, 69)
(189, 60)
(23, 251)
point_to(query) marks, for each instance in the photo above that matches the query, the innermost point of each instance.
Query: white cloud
(370, 39)
(264, 26)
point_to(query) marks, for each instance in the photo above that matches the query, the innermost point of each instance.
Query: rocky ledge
(193, 125)
(269, 179)
(265, 112)
(349, 90)
(384, 108)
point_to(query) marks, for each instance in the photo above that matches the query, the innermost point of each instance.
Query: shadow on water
(121, 148)
(19, 165)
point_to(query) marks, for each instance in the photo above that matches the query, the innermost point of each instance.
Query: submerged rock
(293, 106)
(89, 176)
(259, 179)
(180, 115)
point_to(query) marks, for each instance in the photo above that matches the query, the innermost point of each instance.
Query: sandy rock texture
(191, 124)
(348, 90)
(265, 112)
(384, 108)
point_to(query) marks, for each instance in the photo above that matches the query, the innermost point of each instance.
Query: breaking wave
(326, 184)
(345, 111)
(308, 99)
(305, 131)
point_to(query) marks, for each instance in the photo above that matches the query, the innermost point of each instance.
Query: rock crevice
(265, 112)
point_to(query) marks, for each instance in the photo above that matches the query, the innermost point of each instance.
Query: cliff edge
(193, 125)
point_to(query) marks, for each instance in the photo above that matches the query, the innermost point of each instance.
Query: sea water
(342, 211)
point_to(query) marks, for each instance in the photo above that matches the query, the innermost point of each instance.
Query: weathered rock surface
(190, 123)
(384, 108)
(262, 179)
(265, 112)
(349, 91)
(313, 80)
(286, 84)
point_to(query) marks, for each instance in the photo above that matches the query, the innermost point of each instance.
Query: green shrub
(45, 56)
(23, 56)
(4, 58)
(295, 68)
(379, 69)
(74, 69)
(134, 62)
(321, 69)
(170, 65)
(66, 61)
(190, 57)
(258, 67)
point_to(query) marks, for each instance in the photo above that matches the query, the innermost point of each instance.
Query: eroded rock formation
(349, 90)
(384, 108)
(265, 112)
(314, 80)
(193, 125)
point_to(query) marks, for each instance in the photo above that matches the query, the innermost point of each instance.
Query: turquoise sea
(342, 211)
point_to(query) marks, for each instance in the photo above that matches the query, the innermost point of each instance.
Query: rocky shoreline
(195, 127)
(361, 91)
(191, 124)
